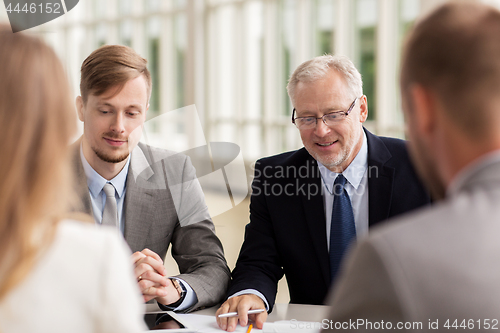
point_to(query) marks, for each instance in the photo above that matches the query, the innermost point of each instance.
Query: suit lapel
(80, 181)
(139, 205)
(314, 211)
(380, 180)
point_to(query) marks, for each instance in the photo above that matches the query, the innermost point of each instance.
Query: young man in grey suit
(151, 195)
(437, 269)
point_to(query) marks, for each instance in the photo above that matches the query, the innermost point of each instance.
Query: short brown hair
(455, 52)
(111, 66)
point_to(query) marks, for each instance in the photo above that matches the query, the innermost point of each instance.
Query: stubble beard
(335, 161)
(331, 162)
(110, 159)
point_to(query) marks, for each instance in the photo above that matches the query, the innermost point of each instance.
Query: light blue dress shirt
(96, 184)
(356, 186)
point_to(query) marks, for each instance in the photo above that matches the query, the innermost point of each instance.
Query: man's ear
(423, 110)
(363, 109)
(79, 107)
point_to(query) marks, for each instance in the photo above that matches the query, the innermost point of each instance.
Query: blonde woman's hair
(37, 120)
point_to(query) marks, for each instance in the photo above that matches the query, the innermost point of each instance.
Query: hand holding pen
(241, 309)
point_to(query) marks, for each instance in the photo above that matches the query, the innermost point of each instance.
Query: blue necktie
(342, 229)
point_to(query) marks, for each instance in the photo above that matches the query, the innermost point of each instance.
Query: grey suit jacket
(164, 205)
(437, 264)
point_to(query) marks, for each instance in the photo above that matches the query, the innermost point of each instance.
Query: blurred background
(231, 59)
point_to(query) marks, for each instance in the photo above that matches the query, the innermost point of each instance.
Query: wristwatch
(181, 290)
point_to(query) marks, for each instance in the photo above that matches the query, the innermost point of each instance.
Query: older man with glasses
(308, 205)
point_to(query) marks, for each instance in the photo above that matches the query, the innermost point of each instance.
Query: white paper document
(205, 324)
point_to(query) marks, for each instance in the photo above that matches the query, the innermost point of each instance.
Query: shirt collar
(96, 182)
(353, 173)
(470, 170)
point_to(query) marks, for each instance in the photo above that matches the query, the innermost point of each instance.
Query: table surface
(300, 312)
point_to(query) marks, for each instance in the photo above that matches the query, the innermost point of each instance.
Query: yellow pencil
(249, 328)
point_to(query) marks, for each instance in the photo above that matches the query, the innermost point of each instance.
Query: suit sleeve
(365, 291)
(259, 265)
(195, 247)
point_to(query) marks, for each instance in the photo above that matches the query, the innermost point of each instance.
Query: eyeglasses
(329, 119)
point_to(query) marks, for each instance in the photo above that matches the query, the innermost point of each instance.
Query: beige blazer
(164, 205)
(438, 264)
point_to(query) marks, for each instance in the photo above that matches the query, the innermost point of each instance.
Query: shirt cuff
(252, 292)
(189, 300)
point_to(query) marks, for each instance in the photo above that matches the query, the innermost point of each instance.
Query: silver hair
(317, 68)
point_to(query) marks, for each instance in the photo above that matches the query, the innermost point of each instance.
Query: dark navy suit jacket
(287, 229)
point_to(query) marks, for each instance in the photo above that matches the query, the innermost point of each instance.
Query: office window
(153, 57)
(324, 20)
(125, 26)
(366, 49)
(252, 103)
(290, 45)
(179, 4)
(125, 34)
(99, 8)
(233, 59)
(223, 68)
(289, 37)
(408, 12)
(180, 45)
(100, 34)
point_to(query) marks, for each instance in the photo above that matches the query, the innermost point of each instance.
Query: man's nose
(321, 128)
(118, 124)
